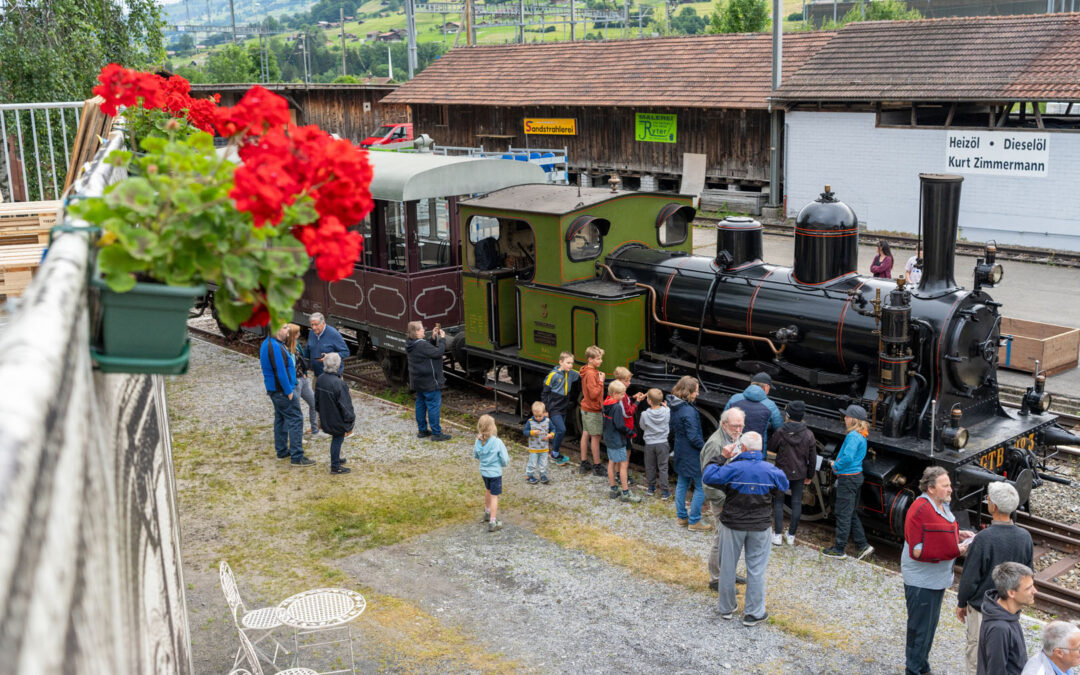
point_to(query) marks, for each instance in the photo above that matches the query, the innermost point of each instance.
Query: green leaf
(117, 267)
(282, 293)
(135, 194)
(242, 271)
(232, 314)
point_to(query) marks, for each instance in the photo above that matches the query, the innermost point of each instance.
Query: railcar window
(395, 235)
(433, 228)
(364, 228)
(673, 230)
(586, 243)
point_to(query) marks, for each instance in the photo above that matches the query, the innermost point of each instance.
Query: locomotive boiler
(922, 360)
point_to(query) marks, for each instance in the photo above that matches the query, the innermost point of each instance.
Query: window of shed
(673, 229)
(586, 243)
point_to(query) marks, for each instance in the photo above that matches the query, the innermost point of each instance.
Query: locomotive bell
(826, 240)
(738, 242)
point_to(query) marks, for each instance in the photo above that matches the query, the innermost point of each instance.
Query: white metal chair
(248, 650)
(260, 623)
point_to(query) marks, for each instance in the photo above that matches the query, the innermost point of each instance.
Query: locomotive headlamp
(988, 271)
(954, 435)
(1036, 399)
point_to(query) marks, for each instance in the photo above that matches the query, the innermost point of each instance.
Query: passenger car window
(433, 228)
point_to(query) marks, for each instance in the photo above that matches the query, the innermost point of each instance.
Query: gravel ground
(513, 591)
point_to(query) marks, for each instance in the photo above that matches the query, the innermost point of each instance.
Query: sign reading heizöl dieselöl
(997, 153)
(655, 127)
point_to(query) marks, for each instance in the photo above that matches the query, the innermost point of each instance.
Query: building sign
(654, 127)
(997, 153)
(551, 126)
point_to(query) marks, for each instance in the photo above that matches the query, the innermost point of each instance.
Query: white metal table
(320, 610)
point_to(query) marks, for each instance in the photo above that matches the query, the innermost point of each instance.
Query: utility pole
(626, 20)
(775, 198)
(521, 21)
(232, 13)
(389, 63)
(410, 36)
(341, 11)
(468, 22)
(208, 12)
(572, 24)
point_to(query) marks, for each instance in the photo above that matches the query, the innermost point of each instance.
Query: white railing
(37, 139)
(90, 571)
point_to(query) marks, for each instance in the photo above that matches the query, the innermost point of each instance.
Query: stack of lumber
(94, 125)
(738, 201)
(24, 234)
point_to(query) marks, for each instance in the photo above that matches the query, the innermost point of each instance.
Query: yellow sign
(551, 126)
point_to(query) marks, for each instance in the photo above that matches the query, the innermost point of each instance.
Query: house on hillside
(392, 35)
(994, 99)
(629, 108)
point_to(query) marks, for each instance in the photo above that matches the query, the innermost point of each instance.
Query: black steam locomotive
(922, 361)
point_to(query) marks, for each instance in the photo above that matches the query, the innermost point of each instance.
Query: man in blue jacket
(749, 483)
(322, 340)
(761, 413)
(279, 377)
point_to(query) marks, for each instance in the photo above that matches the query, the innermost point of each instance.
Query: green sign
(654, 127)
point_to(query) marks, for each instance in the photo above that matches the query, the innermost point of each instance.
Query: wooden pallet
(1055, 347)
(27, 222)
(18, 263)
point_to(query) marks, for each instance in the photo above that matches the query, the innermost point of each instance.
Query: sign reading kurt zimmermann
(551, 126)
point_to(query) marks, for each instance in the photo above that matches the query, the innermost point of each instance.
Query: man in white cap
(1002, 541)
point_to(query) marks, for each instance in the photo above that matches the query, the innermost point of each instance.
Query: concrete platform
(1030, 291)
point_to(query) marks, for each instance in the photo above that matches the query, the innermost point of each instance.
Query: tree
(879, 10)
(739, 16)
(186, 44)
(688, 22)
(231, 64)
(52, 50)
(274, 71)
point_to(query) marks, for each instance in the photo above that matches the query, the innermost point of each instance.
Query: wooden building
(351, 111)
(708, 93)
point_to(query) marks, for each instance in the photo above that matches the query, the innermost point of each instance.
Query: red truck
(389, 134)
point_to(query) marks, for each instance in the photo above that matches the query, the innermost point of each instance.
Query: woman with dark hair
(685, 423)
(882, 265)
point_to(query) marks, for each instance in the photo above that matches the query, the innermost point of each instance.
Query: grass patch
(660, 563)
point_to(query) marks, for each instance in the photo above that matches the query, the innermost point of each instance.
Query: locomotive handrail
(663, 322)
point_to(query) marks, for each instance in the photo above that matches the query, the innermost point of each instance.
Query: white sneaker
(790, 539)
(321, 435)
(777, 539)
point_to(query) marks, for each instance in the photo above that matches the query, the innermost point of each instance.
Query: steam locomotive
(922, 361)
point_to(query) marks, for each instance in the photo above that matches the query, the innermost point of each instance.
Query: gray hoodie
(654, 425)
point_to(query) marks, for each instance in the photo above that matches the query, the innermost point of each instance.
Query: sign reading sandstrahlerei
(655, 127)
(551, 126)
(997, 153)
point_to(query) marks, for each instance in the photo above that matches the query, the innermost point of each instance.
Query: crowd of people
(746, 494)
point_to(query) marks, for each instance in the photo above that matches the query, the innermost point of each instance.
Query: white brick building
(884, 101)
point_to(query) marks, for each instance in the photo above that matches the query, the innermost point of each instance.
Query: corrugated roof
(987, 58)
(706, 71)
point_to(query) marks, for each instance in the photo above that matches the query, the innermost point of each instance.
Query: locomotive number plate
(995, 459)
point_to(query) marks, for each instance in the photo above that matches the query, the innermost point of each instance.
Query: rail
(90, 573)
(42, 128)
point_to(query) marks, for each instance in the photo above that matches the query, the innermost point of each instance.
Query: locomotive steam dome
(826, 240)
(738, 242)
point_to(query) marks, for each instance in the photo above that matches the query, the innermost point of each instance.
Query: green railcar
(535, 284)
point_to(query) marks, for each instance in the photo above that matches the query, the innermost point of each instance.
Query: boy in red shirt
(629, 404)
(592, 416)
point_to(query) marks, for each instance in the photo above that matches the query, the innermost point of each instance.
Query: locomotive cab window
(673, 224)
(585, 238)
(501, 244)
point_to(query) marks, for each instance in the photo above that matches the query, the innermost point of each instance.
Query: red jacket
(628, 408)
(592, 389)
(924, 525)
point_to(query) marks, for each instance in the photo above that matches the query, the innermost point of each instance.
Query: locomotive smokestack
(939, 222)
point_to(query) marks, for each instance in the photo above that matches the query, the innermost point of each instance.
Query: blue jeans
(427, 411)
(923, 612)
(796, 508)
(288, 425)
(537, 464)
(847, 518)
(680, 498)
(558, 427)
(335, 451)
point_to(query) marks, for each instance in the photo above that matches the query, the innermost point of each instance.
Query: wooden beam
(914, 114)
(1038, 115)
(949, 117)
(1004, 114)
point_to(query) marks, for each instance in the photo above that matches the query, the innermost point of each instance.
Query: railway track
(1048, 535)
(1005, 252)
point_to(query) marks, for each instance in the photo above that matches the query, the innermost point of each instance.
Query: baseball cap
(761, 378)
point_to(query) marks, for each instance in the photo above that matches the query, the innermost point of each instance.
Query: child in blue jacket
(491, 452)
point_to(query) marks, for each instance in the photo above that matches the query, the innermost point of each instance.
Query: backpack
(487, 254)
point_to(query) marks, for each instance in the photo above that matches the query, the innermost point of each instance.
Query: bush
(795, 16)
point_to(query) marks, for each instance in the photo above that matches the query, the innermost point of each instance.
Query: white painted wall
(876, 172)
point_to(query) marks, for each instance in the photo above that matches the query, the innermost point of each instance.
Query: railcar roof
(546, 199)
(403, 177)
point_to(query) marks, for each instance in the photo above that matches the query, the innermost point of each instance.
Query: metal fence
(37, 140)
